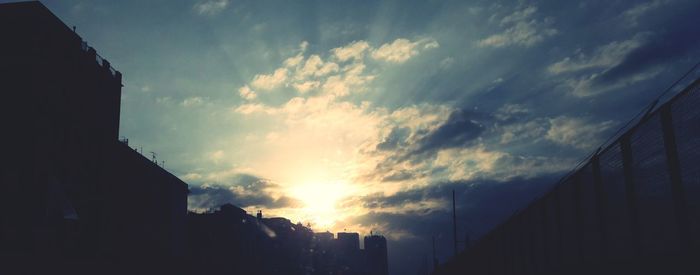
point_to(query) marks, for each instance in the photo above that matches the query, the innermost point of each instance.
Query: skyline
(420, 111)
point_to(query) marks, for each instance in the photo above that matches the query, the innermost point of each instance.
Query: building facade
(71, 191)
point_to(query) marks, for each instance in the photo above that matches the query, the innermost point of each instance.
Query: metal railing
(99, 59)
(633, 204)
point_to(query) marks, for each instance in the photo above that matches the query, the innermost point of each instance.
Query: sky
(364, 115)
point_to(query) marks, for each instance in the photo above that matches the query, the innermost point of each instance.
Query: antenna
(454, 222)
(435, 260)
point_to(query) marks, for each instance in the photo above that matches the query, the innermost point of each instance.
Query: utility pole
(435, 260)
(454, 222)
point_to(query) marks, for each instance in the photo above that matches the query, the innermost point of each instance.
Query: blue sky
(364, 115)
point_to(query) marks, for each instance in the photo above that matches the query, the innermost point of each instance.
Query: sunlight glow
(320, 201)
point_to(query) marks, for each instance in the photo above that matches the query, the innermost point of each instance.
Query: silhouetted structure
(377, 258)
(72, 194)
(632, 208)
(344, 256)
(324, 253)
(349, 256)
(229, 241)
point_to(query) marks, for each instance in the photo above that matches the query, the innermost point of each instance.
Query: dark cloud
(244, 190)
(675, 41)
(398, 176)
(461, 129)
(396, 137)
(481, 205)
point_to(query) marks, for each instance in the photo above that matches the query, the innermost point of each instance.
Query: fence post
(578, 217)
(630, 193)
(674, 171)
(601, 207)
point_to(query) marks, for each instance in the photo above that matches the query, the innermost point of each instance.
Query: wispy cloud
(402, 49)
(355, 50)
(632, 15)
(521, 30)
(604, 57)
(246, 93)
(599, 72)
(577, 132)
(270, 81)
(193, 101)
(210, 7)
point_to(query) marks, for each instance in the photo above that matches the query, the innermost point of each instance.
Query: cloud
(306, 86)
(193, 101)
(239, 189)
(532, 130)
(425, 211)
(519, 15)
(399, 176)
(603, 70)
(510, 111)
(577, 132)
(315, 66)
(271, 81)
(520, 30)
(354, 50)
(460, 130)
(631, 16)
(247, 93)
(481, 205)
(332, 74)
(402, 49)
(646, 56)
(605, 57)
(446, 63)
(397, 137)
(596, 83)
(210, 7)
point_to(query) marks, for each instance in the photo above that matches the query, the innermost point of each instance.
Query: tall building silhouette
(72, 193)
(348, 254)
(377, 260)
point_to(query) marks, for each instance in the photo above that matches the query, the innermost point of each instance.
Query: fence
(632, 208)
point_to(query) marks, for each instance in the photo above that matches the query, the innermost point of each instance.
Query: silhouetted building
(71, 192)
(349, 257)
(324, 237)
(344, 256)
(377, 260)
(323, 256)
(229, 241)
(348, 242)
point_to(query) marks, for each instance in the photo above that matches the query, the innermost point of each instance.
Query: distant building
(229, 241)
(324, 237)
(344, 256)
(377, 260)
(72, 192)
(348, 242)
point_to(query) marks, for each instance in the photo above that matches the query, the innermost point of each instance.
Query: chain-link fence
(632, 208)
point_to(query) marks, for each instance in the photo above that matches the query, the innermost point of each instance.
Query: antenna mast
(454, 222)
(435, 260)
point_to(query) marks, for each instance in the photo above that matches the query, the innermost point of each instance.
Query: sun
(320, 200)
